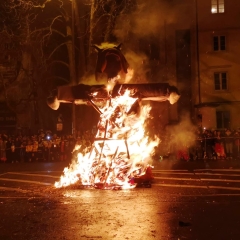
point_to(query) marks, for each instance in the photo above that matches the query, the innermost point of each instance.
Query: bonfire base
(107, 186)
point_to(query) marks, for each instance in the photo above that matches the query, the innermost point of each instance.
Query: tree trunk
(71, 52)
(81, 36)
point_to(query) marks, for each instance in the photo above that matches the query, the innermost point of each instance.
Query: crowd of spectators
(44, 146)
(215, 145)
(199, 146)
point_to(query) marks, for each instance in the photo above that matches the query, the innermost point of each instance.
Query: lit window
(219, 43)
(217, 6)
(223, 119)
(220, 81)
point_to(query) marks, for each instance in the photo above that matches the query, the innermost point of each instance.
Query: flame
(120, 152)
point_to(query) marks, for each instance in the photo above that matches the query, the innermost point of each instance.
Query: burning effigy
(120, 154)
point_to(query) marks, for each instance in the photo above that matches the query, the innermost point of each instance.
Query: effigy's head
(111, 62)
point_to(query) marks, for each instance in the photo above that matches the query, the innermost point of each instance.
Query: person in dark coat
(8, 149)
(18, 144)
(228, 139)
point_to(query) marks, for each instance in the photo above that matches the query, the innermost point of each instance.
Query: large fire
(121, 150)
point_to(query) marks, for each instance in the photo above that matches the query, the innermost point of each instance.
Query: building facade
(199, 53)
(217, 79)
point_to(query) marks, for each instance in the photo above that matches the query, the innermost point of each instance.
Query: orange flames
(120, 152)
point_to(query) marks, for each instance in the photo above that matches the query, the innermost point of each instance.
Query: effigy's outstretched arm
(82, 94)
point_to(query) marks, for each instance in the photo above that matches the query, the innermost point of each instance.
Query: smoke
(152, 23)
(147, 18)
(182, 135)
(144, 23)
(136, 62)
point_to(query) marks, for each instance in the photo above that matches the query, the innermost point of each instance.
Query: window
(219, 43)
(220, 81)
(217, 6)
(223, 119)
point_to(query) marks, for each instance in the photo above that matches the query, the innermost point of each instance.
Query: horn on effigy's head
(97, 48)
(119, 46)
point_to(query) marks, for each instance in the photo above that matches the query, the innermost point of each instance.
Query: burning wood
(121, 151)
(120, 154)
